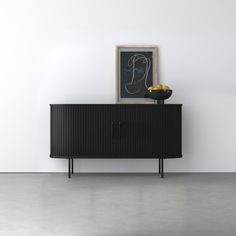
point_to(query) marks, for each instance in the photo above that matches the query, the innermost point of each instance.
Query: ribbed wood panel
(116, 131)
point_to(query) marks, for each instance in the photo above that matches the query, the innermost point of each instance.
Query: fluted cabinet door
(84, 130)
(141, 130)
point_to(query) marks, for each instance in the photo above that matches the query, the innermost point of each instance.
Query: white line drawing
(136, 83)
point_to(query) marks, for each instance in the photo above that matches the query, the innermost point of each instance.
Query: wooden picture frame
(136, 70)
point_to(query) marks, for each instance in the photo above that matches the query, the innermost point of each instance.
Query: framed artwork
(136, 71)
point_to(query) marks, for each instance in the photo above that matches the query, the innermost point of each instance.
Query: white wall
(63, 51)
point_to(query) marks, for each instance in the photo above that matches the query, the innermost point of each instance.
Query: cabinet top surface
(118, 104)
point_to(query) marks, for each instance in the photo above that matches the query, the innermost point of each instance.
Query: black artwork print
(135, 74)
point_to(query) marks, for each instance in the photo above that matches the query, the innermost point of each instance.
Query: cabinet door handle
(119, 129)
(112, 129)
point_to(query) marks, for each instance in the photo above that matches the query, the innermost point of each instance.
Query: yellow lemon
(165, 87)
(158, 87)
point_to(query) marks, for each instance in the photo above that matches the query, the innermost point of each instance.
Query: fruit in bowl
(159, 87)
(159, 92)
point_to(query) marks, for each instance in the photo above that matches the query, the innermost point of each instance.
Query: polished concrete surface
(117, 204)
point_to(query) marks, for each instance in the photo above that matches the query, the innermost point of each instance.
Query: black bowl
(159, 94)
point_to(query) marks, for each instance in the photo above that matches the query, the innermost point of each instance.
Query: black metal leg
(162, 168)
(72, 165)
(69, 168)
(159, 166)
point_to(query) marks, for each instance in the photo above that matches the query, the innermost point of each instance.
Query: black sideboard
(116, 131)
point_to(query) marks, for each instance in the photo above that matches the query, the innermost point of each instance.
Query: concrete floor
(117, 204)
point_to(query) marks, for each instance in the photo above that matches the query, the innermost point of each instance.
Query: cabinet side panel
(60, 135)
(172, 132)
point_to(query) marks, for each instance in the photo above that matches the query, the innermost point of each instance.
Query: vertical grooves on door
(85, 130)
(180, 136)
(163, 141)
